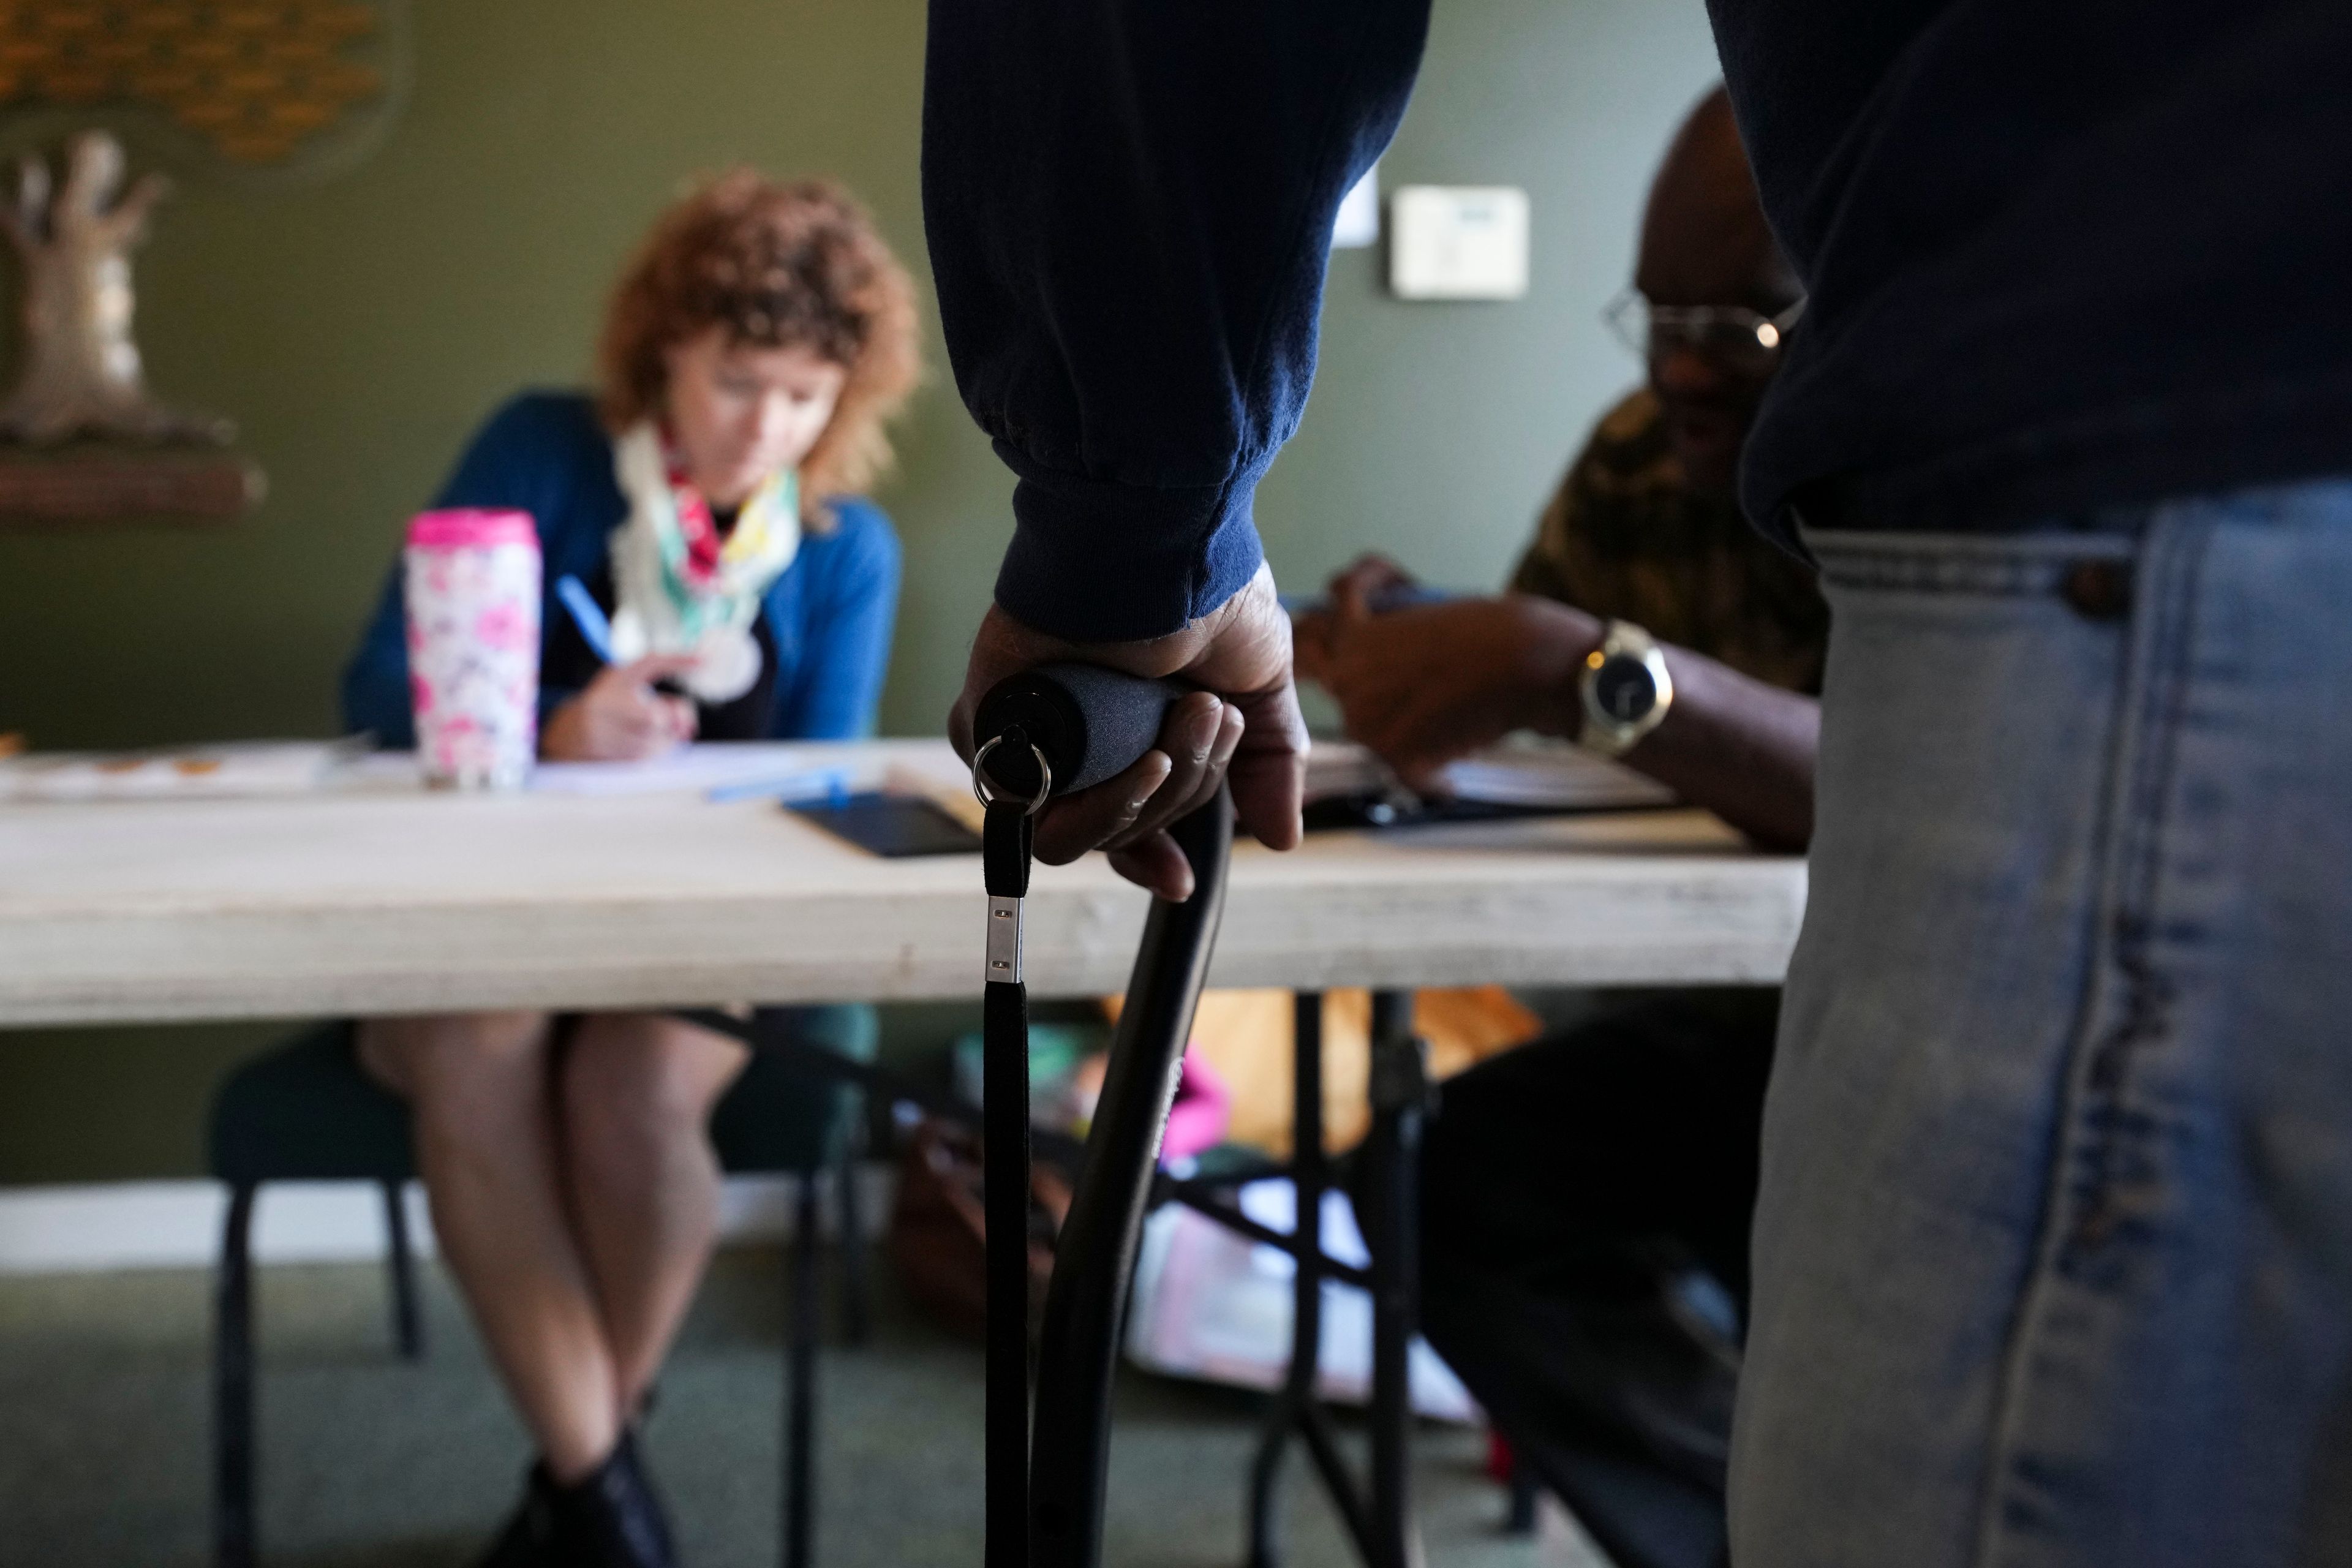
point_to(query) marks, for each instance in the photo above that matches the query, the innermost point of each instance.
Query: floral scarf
(683, 589)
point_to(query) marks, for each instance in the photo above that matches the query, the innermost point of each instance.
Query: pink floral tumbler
(473, 591)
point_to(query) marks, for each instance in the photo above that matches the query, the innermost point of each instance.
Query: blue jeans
(2053, 1244)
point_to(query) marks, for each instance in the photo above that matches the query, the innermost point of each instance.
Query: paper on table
(711, 770)
(243, 768)
(689, 769)
(1514, 772)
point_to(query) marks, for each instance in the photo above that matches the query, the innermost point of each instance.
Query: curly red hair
(776, 266)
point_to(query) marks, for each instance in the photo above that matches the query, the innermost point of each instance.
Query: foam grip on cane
(1090, 722)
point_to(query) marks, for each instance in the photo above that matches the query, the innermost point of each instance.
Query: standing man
(2054, 1247)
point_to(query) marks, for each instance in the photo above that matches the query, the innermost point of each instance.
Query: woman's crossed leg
(574, 1194)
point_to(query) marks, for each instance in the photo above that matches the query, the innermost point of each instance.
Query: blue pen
(596, 631)
(588, 616)
(832, 784)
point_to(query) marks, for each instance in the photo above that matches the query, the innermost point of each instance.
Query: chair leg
(400, 1257)
(1521, 1518)
(800, 1400)
(856, 1318)
(233, 1375)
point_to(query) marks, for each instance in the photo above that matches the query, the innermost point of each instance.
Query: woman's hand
(620, 718)
(1427, 684)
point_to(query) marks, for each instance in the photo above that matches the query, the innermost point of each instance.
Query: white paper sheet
(1526, 772)
(1215, 1305)
(242, 768)
(696, 769)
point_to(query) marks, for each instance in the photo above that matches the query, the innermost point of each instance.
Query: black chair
(306, 1112)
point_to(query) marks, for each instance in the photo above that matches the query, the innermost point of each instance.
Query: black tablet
(893, 825)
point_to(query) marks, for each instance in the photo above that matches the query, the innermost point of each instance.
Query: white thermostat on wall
(1458, 242)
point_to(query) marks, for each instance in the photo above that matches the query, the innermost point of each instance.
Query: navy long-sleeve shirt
(826, 619)
(2061, 255)
(1129, 206)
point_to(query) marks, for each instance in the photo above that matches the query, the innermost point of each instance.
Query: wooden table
(381, 897)
(375, 897)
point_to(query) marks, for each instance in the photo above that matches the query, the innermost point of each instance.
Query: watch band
(1625, 689)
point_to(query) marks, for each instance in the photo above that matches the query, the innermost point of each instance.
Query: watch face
(1623, 689)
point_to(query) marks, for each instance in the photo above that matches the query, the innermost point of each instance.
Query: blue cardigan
(830, 613)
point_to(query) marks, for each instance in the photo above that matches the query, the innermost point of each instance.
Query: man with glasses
(1644, 529)
(1586, 1198)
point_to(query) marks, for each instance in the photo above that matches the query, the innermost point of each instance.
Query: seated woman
(750, 358)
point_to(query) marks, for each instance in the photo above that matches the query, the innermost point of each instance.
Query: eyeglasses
(1729, 335)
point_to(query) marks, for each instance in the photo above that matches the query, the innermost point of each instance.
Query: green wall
(358, 327)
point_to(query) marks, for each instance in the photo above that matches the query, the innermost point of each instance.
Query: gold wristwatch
(1625, 687)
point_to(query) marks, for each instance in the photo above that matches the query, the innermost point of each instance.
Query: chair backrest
(306, 1112)
(780, 1117)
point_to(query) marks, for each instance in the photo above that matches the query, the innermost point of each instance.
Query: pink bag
(1203, 1104)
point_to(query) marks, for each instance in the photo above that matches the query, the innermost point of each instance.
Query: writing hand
(620, 718)
(1427, 684)
(1367, 580)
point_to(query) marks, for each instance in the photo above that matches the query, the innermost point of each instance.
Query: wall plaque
(228, 88)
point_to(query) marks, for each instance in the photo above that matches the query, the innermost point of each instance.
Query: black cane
(1046, 732)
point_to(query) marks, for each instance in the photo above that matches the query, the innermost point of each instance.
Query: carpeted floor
(368, 1462)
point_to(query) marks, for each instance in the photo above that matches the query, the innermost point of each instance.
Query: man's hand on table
(1427, 684)
(620, 718)
(1243, 727)
(1424, 685)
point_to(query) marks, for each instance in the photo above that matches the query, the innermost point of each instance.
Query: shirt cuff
(1094, 561)
(552, 697)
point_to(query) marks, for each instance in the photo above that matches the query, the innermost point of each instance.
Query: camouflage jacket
(1624, 538)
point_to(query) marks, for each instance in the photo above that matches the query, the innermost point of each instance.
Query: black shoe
(609, 1518)
(529, 1539)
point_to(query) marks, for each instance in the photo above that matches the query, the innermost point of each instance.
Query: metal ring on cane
(980, 785)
